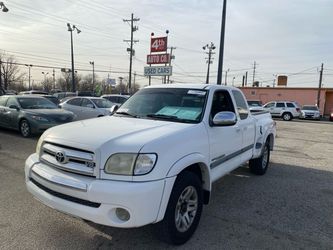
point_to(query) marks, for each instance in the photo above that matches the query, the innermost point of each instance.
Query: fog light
(122, 214)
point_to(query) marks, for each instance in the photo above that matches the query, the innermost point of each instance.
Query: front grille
(66, 197)
(68, 158)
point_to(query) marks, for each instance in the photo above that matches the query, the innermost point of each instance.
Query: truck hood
(128, 133)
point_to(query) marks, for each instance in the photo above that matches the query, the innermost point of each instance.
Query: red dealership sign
(158, 58)
(159, 44)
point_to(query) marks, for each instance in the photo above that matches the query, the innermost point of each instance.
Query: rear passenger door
(246, 124)
(279, 108)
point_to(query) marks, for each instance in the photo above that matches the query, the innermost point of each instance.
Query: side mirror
(114, 109)
(14, 107)
(225, 118)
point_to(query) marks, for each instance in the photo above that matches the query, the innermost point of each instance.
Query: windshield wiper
(126, 113)
(170, 117)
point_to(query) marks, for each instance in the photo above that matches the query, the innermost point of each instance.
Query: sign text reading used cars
(158, 71)
(158, 58)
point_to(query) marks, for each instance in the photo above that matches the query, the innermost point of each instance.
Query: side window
(221, 102)
(290, 105)
(241, 104)
(87, 103)
(280, 105)
(3, 100)
(75, 101)
(12, 101)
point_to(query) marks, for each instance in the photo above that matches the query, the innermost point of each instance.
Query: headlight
(39, 118)
(130, 164)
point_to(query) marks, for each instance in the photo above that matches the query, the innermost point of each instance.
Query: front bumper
(94, 199)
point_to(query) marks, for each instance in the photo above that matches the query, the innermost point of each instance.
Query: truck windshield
(173, 104)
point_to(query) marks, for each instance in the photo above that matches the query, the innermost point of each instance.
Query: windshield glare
(36, 103)
(102, 103)
(182, 105)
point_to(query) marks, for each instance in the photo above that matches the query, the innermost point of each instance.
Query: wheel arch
(194, 163)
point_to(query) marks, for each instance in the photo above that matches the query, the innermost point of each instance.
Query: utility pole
(93, 75)
(71, 29)
(320, 83)
(220, 66)
(246, 78)
(226, 75)
(254, 72)
(133, 29)
(54, 82)
(210, 48)
(243, 81)
(171, 58)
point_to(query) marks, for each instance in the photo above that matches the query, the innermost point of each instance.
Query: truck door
(225, 141)
(246, 124)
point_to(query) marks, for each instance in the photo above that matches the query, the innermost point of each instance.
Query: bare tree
(10, 72)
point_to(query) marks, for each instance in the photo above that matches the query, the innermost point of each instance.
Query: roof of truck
(191, 86)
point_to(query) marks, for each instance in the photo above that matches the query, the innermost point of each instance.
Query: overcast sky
(291, 37)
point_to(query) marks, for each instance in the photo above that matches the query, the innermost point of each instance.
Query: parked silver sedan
(31, 114)
(87, 107)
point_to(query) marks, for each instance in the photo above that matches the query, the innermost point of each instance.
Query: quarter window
(290, 105)
(241, 104)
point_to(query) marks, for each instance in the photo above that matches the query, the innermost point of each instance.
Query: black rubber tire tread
(29, 134)
(256, 164)
(166, 230)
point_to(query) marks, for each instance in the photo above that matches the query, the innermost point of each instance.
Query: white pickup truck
(153, 161)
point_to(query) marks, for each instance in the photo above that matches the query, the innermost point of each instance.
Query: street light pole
(226, 75)
(71, 29)
(93, 75)
(210, 48)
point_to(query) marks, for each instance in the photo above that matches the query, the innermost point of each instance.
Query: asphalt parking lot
(291, 207)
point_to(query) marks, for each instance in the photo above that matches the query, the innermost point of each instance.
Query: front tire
(25, 128)
(259, 165)
(184, 210)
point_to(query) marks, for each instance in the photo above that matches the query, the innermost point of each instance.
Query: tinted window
(280, 105)
(75, 101)
(221, 102)
(112, 99)
(122, 99)
(3, 100)
(241, 104)
(290, 105)
(310, 108)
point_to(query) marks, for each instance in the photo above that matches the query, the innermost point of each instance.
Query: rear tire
(287, 116)
(183, 212)
(25, 128)
(259, 165)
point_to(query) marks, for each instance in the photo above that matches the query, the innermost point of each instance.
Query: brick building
(301, 95)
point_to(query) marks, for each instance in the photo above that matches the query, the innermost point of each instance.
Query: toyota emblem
(60, 157)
